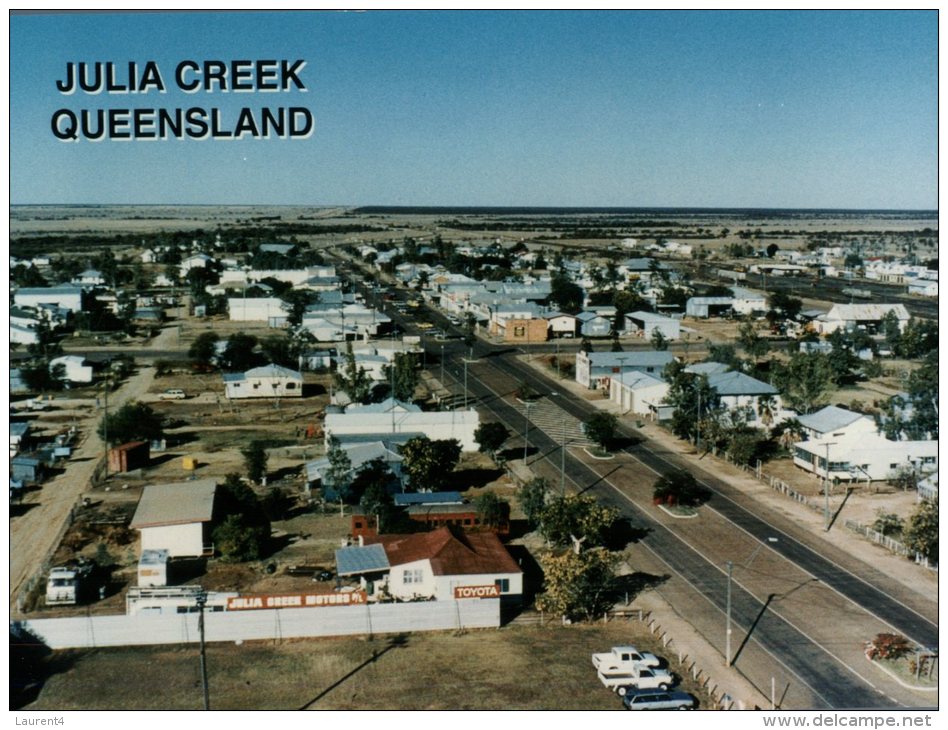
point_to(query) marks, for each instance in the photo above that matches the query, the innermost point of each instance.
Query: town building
(638, 393)
(64, 296)
(646, 324)
(436, 425)
(75, 369)
(177, 518)
(863, 316)
(268, 381)
(854, 456)
(596, 369)
(437, 565)
(258, 309)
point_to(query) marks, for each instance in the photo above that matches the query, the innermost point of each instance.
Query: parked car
(323, 576)
(622, 680)
(624, 657)
(173, 394)
(650, 699)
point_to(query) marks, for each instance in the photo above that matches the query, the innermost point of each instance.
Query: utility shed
(130, 456)
(177, 518)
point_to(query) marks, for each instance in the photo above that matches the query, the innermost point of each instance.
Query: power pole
(201, 601)
(526, 431)
(727, 634)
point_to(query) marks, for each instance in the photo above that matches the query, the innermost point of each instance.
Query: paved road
(34, 531)
(830, 682)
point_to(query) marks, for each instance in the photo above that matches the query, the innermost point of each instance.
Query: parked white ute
(624, 657)
(622, 680)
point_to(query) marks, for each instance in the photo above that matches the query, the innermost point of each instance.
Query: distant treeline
(717, 213)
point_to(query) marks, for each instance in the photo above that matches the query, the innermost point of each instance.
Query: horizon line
(411, 207)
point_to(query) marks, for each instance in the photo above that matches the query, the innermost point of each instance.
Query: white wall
(458, 425)
(255, 309)
(178, 540)
(447, 583)
(144, 629)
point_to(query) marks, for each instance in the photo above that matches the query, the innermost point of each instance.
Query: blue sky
(746, 109)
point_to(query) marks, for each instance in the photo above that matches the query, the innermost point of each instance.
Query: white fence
(143, 629)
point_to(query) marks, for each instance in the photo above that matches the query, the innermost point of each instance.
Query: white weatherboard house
(864, 457)
(268, 381)
(177, 518)
(832, 422)
(436, 425)
(443, 564)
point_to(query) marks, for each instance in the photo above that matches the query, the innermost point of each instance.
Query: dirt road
(32, 534)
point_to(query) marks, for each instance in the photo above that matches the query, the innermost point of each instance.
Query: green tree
(352, 378)
(532, 498)
(41, 378)
(203, 350)
(238, 355)
(784, 305)
(278, 349)
(131, 422)
(47, 342)
(754, 345)
(403, 375)
(127, 309)
(921, 533)
(245, 529)
(659, 341)
(679, 488)
(602, 428)
(428, 463)
(492, 510)
(892, 331)
(295, 301)
(255, 460)
(565, 294)
(586, 345)
(578, 585)
(695, 403)
(574, 518)
(235, 542)
(805, 381)
(490, 436)
(337, 480)
(378, 503)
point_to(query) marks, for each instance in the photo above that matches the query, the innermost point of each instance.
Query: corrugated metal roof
(735, 383)
(358, 559)
(707, 368)
(417, 498)
(867, 312)
(175, 504)
(829, 419)
(451, 552)
(272, 371)
(645, 358)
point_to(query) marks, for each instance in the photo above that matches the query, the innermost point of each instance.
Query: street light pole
(563, 462)
(526, 431)
(727, 634)
(730, 572)
(466, 361)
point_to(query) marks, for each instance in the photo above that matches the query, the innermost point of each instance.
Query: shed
(130, 456)
(177, 517)
(27, 469)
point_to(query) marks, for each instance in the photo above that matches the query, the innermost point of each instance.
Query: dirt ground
(513, 668)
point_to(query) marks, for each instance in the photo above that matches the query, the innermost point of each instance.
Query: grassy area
(514, 668)
(904, 669)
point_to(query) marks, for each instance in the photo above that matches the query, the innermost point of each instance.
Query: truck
(622, 681)
(68, 584)
(624, 657)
